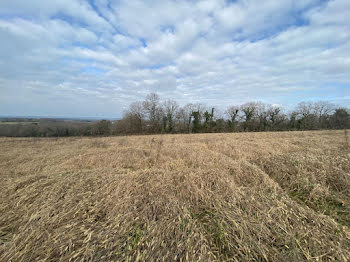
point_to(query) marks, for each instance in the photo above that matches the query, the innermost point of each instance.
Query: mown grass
(206, 197)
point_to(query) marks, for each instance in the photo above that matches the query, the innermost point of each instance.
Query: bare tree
(170, 108)
(275, 116)
(249, 110)
(182, 118)
(232, 112)
(323, 109)
(153, 111)
(261, 111)
(305, 108)
(307, 117)
(186, 114)
(137, 111)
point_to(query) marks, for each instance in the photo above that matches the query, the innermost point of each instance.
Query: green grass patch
(216, 231)
(328, 205)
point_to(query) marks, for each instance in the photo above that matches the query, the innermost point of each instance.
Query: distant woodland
(154, 116)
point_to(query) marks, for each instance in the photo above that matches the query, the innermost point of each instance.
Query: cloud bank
(92, 58)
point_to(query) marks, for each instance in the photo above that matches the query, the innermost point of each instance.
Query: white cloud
(113, 52)
(79, 11)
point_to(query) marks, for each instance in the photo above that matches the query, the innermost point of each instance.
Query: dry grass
(208, 197)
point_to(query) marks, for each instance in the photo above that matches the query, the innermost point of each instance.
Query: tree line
(153, 116)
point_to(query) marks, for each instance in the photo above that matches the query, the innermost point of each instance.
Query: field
(18, 123)
(208, 197)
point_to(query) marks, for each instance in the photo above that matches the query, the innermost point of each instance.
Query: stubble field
(200, 197)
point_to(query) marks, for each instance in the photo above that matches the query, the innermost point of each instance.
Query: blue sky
(79, 58)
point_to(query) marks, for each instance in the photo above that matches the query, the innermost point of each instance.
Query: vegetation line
(153, 116)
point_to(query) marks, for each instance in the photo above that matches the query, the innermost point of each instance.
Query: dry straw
(208, 197)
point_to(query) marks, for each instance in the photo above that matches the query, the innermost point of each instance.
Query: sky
(79, 58)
